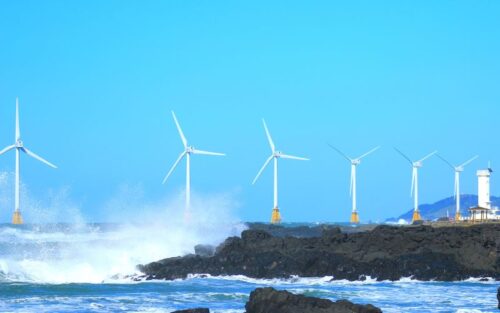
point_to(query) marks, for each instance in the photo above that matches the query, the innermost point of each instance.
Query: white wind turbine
(458, 169)
(352, 191)
(188, 151)
(275, 155)
(414, 181)
(19, 146)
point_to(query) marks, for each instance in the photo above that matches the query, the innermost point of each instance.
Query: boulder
(498, 297)
(269, 300)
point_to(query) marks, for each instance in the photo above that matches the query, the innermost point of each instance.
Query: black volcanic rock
(204, 250)
(498, 297)
(305, 231)
(385, 253)
(193, 311)
(269, 300)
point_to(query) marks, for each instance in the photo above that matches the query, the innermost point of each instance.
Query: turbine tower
(188, 151)
(17, 218)
(352, 191)
(275, 155)
(458, 169)
(414, 181)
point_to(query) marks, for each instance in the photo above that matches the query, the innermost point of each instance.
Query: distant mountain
(438, 209)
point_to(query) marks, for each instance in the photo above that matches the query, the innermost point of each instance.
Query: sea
(92, 268)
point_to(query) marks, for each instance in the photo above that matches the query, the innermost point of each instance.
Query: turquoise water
(230, 295)
(86, 268)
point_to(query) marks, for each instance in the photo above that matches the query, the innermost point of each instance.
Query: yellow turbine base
(416, 216)
(276, 216)
(457, 217)
(354, 218)
(17, 219)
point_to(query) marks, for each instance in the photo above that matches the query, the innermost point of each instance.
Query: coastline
(385, 253)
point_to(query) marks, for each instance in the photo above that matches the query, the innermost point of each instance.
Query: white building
(483, 211)
(483, 189)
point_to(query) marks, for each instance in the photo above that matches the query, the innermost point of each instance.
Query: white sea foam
(75, 253)
(327, 280)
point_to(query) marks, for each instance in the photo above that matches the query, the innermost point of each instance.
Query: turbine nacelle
(458, 168)
(417, 164)
(19, 144)
(188, 150)
(352, 189)
(414, 178)
(19, 147)
(356, 162)
(276, 154)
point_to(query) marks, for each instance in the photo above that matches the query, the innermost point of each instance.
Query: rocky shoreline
(270, 300)
(384, 253)
(307, 231)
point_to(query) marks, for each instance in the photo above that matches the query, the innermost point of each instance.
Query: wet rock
(204, 250)
(269, 300)
(385, 253)
(193, 311)
(305, 231)
(498, 297)
(331, 232)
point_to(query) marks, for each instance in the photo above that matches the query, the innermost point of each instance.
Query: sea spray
(96, 253)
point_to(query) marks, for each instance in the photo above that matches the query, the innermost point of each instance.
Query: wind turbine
(458, 169)
(275, 155)
(414, 181)
(188, 151)
(17, 218)
(352, 191)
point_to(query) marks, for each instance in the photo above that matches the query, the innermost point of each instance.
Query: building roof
(478, 208)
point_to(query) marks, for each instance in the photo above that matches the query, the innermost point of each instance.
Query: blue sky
(97, 81)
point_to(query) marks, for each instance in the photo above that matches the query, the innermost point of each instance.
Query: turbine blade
(18, 130)
(469, 161)
(271, 143)
(369, 152)
(262, 169)
(39, 158)
(340, 152)
(183, 138)
(8, 148)
(195, 151)
(173, 167)
(446, 161)
(403, 155)
(428, 156)
(286, 156)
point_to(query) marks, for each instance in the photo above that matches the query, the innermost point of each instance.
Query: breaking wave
(96, 253)
(330, 280)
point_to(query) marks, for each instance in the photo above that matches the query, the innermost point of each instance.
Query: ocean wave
(313, 281)
(229, 294)
(62, 253)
